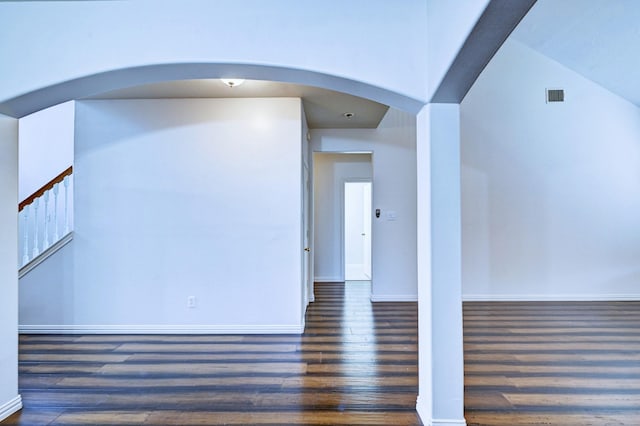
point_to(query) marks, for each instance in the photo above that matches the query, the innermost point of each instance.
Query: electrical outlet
(191, 302)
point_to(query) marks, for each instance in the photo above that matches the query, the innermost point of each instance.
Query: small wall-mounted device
(377, 213)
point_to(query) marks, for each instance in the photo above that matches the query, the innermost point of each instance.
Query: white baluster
(25, 249)
(56, 235)
(45, 241)
(36, 250)
(66, 204)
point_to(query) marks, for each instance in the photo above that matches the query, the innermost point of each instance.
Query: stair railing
(45, 220)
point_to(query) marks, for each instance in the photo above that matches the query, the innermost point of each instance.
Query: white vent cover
(555, 95)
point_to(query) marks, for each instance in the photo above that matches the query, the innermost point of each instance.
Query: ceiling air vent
(555, 95)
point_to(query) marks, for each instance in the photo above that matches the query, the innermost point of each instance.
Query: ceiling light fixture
(348, 115)
(232, 82)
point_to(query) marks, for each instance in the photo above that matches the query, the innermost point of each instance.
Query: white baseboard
(394, 297)
(424, 412)
(328, 279)
(10, 407)
(423, 409)
(549, 297)
(161, 329)
(448, 422)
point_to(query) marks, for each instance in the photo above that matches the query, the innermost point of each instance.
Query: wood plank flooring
(553, 363)
(356, 364)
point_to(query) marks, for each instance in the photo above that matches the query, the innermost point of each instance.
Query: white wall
(449, 23)
(330, 171)
(551, 192)
(46, 146)
(47, 291)
(179, 198)
(388, 40)
(9, 398)
(393, 145)
(401, 48)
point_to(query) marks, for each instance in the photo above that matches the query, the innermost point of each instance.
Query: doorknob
(307, 249)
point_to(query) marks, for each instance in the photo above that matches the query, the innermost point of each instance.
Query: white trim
(548, 297)
(45, 254)
(161, 329)
(328, 279)
(448, 422)
(10, 407)
(394, 297)
(422, 407)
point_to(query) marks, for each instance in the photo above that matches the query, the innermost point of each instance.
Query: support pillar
(10, 401)
(441, 362)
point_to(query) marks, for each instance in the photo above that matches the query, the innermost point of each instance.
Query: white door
(357, 231)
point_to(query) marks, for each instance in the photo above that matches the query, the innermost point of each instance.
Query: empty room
(417, 212)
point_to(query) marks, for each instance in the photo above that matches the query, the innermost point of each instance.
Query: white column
(446, 265)
(9, 399)
(441, 358)
(423, 155)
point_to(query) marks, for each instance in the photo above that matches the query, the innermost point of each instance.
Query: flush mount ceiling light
(232, 82)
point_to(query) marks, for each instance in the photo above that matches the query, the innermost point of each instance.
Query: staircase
(46, 221)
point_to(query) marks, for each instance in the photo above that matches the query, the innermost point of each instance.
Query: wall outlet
(191, 302)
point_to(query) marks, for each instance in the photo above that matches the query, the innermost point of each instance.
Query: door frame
(307, 236)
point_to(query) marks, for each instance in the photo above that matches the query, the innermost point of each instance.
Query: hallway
(356, 364)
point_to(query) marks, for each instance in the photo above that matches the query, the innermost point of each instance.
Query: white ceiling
(599, 39)
(324, 109)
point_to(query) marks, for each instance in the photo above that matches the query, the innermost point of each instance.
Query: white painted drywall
(449, 23)
(46, 146)
(46, 293)
(330, 171)
(9, 399)
(393, 145)
(550, 192)
(179, 198)
(372, 41)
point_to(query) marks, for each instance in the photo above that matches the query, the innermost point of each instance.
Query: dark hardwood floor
(538, 363)
(554, 363)
(356, 364)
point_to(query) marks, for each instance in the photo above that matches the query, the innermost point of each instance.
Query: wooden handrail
(47, 186)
